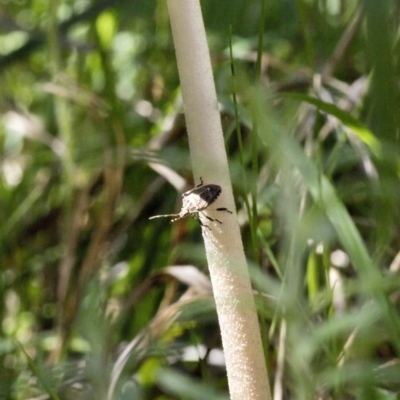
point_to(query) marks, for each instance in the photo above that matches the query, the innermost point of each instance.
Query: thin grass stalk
(63, 118)
(241, 150)
(61, 106)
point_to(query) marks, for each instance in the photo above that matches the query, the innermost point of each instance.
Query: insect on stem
(195, 201)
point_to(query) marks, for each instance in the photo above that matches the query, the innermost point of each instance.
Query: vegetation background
(99, 302)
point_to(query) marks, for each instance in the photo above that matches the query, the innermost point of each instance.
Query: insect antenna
(164, 216)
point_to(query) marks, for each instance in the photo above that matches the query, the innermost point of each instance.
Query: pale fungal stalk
(240, 331)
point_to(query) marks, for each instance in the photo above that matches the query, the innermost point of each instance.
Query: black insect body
(195, 201)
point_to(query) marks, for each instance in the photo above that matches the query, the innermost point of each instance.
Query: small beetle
(196, 200)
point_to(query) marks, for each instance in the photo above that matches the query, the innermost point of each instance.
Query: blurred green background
(98, 302)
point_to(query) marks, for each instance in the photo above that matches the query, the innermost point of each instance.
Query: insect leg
(176, 219)
(201, 182)
(210, 219)
(224, 209)
(205, 226)
(196, 216)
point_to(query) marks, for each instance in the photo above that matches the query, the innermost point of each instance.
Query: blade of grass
(41, 378)
(380, 150)
(287, 152)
